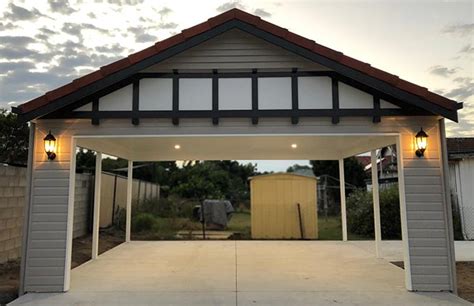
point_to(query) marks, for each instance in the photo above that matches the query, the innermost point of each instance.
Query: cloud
(7, 26)
(17, 13)
(459, 29)
(167, 25)
(464, 89)
(143, 38)
(230, 5)
(165, 11)
(262, 13)
(61, 6)
(75, 29)
(113, 49)
(121, 2)
(443, 71)
(468, 49)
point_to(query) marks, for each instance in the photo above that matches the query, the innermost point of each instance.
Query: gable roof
(347, 66)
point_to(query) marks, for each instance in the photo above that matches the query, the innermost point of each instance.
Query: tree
(353, 170)
(13, 139)
(298, 168)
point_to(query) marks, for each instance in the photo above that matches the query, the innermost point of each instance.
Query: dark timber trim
(95, 111)
(335, 100)
(376, 118)
(294, 95)
(215, 98)
(249, 113)
(135, 101)
(236, 75)
(254, 97)
(175, 117)
(375, 84)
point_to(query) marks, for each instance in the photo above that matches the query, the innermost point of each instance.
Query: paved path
(238, 273)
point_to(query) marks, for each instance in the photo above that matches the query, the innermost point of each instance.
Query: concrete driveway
(238, 273)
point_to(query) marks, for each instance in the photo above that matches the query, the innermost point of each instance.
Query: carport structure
(238, 87)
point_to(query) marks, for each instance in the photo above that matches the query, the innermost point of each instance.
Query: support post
(342, 187)
(403, 214)
(128, 218)
(96, 218)
(376, 202)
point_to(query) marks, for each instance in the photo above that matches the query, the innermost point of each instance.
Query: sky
(45, 44)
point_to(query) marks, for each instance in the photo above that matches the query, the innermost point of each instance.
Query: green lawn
(166, 228)
(329, 229)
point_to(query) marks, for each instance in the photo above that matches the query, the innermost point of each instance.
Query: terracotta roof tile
(384, 76)
(196, 30)
(300, 40)
(88, 79)
(354, 63)
(258, 23)
(272, 28)
(141, 55)
(115, 66)
(60, 91)
(246, 17)
(33, 104)
(412, 88)
(327, 52)
(220, 19)
(170, 42)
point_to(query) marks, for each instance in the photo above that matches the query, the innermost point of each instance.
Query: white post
(342, 187)
(403, 214)
(96, 218)
(376, 200)
(128, 218)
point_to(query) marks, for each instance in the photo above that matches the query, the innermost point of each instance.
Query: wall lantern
(421, 142)
(50, 146)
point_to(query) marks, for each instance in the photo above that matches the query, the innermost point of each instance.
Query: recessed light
(294, 146)
(177, 147)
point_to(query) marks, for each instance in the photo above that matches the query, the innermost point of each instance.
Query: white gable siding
(195, 94)
(156, 94)
(387, 105)
(314, 93)
(85, 108)
(119, 100)
(235, 94)
(350, 97)
(235, 50)
(274, 93)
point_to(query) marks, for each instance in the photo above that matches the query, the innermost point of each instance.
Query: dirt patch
(9, 281)
(82, 246)
(465, 276)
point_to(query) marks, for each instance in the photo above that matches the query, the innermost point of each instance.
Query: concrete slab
(238, 273)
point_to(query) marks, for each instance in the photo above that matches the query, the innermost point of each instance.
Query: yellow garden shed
(284, 206)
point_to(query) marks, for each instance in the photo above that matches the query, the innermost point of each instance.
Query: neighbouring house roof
(460, 147)
(276, 174)
(235, 18)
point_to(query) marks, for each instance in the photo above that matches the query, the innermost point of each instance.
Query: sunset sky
(44, 44)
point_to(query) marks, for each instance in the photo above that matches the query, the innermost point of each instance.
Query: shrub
(171, 207)
(360, 213)
(143, 222)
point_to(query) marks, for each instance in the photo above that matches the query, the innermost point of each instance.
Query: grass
(331, 229)
(167, 228)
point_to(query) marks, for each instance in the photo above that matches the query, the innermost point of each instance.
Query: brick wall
(12, 201)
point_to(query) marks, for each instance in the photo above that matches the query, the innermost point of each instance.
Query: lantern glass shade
(50, 146)
(421, 143)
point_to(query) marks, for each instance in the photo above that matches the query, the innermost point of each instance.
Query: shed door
(274, 210)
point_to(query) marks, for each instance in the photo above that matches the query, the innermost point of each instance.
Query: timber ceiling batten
(381, 85)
